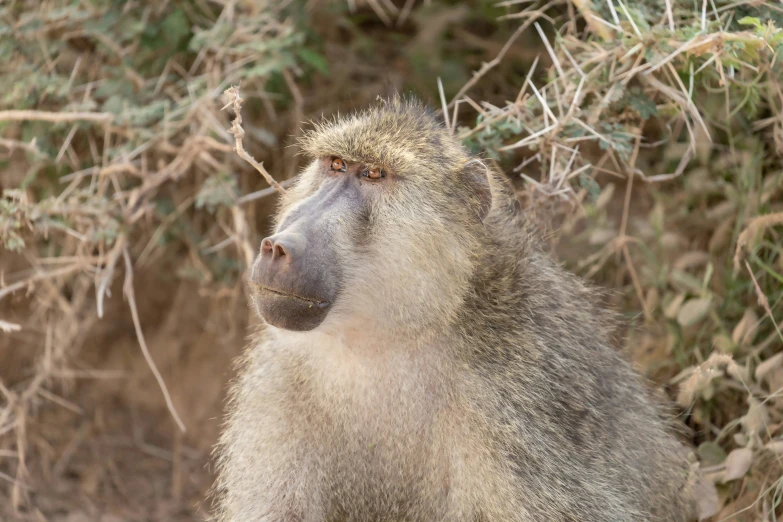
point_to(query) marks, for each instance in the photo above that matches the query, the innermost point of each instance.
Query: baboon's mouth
(312, 301)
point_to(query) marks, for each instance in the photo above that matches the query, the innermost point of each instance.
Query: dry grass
(645, 138)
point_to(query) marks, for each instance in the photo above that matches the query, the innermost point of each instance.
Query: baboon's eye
(373, 174)
(338, 165)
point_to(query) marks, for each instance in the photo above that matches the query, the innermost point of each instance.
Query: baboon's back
(583, 436)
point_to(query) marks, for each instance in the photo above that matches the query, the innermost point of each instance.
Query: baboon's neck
(507, 269)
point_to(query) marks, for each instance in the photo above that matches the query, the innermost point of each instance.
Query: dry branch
(592, 20)
(7, 327)
(54, 117)
(488, 66)
(128, 290)
(235, 101)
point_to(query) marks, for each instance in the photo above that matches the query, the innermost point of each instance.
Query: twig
(221, 245)
(607, 24)
(4, 291)
(687, 104)
(168, 220)
(68, 405)
(380, 12)
(763, 301)
(7, 327)
(551, 51)
(525, 141)
(590, 16)
(127, 288)
(247, 198)
(21, 464)
(697, 41)
(241, 236)
(636, 283)
(101, 289)
(107, 171)
(66, 144)
(630, 19)
(405, 12)
(444, 106)
(235, 101)
(485, 67)
(614, 12)
(54, 117)
(11, 145)
(669, 15)
(657, 178)
(757, 224)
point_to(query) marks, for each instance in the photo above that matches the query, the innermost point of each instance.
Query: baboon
(423, 359)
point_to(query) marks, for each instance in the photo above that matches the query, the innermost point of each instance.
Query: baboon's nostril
(283, 247)
(267, 246)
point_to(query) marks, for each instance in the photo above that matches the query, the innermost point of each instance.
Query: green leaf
(220, 190)
(115, 105)
(314, 59)
(711, 454)
(751, 20)
(170, 34)
(641, 103)
(175, 28)
(589, 184)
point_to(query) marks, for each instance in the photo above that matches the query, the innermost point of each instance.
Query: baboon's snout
(293, 287)
(283, 248)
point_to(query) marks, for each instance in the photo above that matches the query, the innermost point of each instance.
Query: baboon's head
(381, 229)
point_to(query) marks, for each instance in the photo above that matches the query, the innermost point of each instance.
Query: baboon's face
(372, 246)
(381, 231)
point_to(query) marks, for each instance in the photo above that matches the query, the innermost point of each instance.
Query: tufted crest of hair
(398, 134)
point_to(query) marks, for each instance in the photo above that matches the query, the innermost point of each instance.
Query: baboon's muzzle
(296, 275)
(289, 294)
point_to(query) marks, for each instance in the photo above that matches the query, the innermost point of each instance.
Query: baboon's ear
(477, 177)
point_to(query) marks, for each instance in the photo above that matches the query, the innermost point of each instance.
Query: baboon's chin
(290, 312)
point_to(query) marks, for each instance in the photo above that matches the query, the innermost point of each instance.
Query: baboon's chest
(387, 467)
(380, 437)
(378, 421)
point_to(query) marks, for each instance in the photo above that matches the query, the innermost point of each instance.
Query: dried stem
(757, 224)
(7, 327)
(235, 101)
(592, 20)
(764, 302)
(54, 117)
(486, 67)
(128, 290)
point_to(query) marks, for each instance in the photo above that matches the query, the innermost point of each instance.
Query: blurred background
(644, 139)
